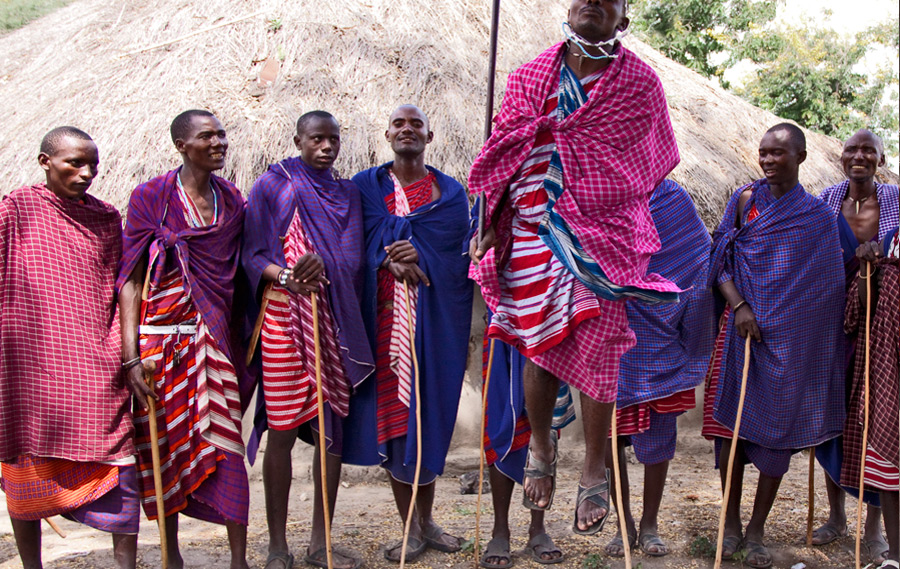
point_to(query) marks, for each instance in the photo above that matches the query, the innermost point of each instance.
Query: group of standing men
(585, 249)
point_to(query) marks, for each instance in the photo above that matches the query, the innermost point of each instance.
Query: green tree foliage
(695, 32)
(809, 75)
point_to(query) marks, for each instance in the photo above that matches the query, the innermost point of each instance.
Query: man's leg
(237, 541)
(125, 550)
(501, 497)
(654, 485)
(541, 388)
(733, 527)
(28, 541)
(836, 525)
(277, 475)
(174, 552)
(402, 496)
(766, 491)
(596, 417)
(873, 536)
(890, 505)
(616, 547)
(333, 464)
(433, 532)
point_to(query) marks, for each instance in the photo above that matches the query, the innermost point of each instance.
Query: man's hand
(307, 274)
(477, 250)
(408, 272)
(745, 322)
(134, 381)
(870, 251)
(402, 252)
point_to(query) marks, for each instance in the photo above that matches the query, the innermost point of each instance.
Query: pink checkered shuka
(615, 149)
(61, 391)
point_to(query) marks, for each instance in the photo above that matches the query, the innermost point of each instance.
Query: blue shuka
(438, 231)
(673, 340)
(787, 265)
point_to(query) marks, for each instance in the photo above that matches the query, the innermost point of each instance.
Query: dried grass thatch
(358, 60)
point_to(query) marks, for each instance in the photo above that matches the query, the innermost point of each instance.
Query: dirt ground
(366, 520)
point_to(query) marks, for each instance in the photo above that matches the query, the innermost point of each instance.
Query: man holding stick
(777, 262)
(582, 139)
(864, 210)
(416, 223)
(304, 234)
(882, 468)
(177, 301)
(65, 420)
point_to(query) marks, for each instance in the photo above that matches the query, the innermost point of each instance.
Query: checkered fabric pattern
(61, 392)
(614, 150)
(787, 264)
(884, 374)
(888, 203)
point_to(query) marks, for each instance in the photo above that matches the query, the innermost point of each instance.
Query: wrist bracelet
(737, 306)
(283, 277)
(131, 363)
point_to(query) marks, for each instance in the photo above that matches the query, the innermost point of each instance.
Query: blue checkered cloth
(787, 265)
(656, 444)
(673, 340)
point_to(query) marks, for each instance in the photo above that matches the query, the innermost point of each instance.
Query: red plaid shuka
(61, 391)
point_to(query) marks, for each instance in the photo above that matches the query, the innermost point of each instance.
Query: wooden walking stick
(481, 457)
(626, 547)
(489, 109)
(415, 484)
(55, 527)
(734, 442)
(810, 514)
(320, 402)
(149, 370)
(865, 438)
(257, 328)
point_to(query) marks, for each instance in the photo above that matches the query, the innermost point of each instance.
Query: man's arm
(129, 320)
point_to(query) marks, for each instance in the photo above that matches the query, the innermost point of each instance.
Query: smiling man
(777, 262)
(176, 301)
(304, 234)
(65, 415)
(865, 211)
(582, 140)
(416, 223)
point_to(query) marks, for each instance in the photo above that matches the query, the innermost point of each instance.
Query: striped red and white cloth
(199, 413)
(393, 359)
(288, 350)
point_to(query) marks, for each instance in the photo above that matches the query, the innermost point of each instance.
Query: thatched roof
(78, 66)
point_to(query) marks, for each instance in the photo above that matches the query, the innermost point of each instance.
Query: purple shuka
(787, 265)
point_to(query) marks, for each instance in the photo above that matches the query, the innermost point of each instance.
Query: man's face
(205, 145)
(779, 158)
(408, 131)
(861, 157)
(319, 142)
(597, 20)
(72, 167)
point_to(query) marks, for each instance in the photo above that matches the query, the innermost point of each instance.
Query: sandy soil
(366, 519)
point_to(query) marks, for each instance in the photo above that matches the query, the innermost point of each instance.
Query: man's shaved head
(865, 133)
(794, 132)
(305, 119)
(181, 125)
(51, 140)
(411, 108)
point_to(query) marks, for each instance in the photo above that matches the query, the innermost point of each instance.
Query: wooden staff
(55, 527)
(810, 514)
(149, 370)
(489, 108)
(865, 438)
(620, 511)
(415, 484)
(320, 401)
(257, 328)
(734, 442)
(481, 457)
